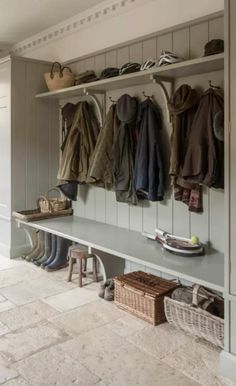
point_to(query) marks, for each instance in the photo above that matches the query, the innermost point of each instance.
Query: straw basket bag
(60, 78)
(51, 205)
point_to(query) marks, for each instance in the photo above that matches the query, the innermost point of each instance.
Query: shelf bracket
(160, 81)
(100, 109)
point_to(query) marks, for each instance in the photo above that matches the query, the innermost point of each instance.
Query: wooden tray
(36, 215)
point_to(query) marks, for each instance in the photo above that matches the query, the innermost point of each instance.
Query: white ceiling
(20, 19)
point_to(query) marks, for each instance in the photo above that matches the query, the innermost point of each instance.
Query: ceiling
(20, 19)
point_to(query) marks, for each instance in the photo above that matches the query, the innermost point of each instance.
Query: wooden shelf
(206, 270)
(170, 72)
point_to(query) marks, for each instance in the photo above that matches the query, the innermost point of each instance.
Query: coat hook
(212, 86)
(147, 96)
(112, 100)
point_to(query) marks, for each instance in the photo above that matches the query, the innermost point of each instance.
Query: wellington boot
(35, 244)
(53, 252)
(60, 260)
(47, 249)
(38, 250)
(42, 249)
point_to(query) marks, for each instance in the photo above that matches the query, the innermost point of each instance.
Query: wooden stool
(81, 255)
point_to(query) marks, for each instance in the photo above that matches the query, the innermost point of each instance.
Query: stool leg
(80, 271)
(71, 263)
(85, 265)
(95, 273)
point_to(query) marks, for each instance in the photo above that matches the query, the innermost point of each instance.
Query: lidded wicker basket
(142, 294)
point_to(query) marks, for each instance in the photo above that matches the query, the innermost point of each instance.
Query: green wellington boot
(38, 250)
(35, 244)
(47, 249)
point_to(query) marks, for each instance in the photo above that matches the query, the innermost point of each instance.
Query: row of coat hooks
(143, 92)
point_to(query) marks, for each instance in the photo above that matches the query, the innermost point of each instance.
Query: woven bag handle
(52, 70)
(68, 68)
(210, 297)
(57, 190)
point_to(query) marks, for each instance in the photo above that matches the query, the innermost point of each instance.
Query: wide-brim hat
(214, 46)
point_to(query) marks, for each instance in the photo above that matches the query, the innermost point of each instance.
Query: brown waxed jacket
(101, 166)
(182, 108)
(204, 161)
(80, 145)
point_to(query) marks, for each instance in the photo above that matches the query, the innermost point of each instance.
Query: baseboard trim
(228, 365)
(5, 250)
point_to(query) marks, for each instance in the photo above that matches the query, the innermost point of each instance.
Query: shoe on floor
(107, 290)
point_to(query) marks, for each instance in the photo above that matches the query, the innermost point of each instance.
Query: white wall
(138, 20)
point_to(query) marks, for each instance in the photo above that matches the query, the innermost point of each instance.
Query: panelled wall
(98, 204)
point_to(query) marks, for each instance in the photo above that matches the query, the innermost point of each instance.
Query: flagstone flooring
(54, 333)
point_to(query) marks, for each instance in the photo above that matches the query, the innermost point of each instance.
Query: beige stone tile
(6, 263)
(6, 373)
(161, 340)
(19, 381)
(17, 275)
(71, 299)
(118, 362)
(6, 305)
(101, 383)
(3, 329)
(87, 317)
(2, 299)
(55, 367)
(22, 343)
(200, 362)
(127, 325)
(27, 314)
(30, 290)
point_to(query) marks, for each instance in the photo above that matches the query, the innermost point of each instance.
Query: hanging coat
(149, 171)
(204, 161)
(101, 167)
(80, 145)
(124, 149)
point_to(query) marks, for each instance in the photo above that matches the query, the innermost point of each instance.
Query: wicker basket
(142, 295)
(62, 78)
(51, 205)
(195, 321)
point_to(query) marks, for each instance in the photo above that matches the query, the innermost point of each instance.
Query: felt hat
(214, 46)
(127, 108)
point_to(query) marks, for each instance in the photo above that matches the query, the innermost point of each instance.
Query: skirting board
(228, 365)
(5, 250)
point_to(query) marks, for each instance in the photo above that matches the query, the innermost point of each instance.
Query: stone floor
(54, 333)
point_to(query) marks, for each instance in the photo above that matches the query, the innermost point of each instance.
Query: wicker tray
(195, 321)
(142, 295)
(36, 215)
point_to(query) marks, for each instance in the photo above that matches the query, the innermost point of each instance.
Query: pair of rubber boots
(50, 252)
(107, 290)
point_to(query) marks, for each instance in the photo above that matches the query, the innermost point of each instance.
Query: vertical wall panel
(135, 52)
(122, 56)
(123, 215)
(136, 217)
(164, 42)
(181, 43)
(149, 217)
(111, 208)
(150, 49)
(216, 28)
(100, 63)
(217, 219)
(198, 38)
(100, 204)
(111, 58)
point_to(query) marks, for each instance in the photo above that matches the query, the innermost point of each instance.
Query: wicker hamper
(195, 321)
(142, 295)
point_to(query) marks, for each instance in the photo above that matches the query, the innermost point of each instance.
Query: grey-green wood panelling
(95, 203)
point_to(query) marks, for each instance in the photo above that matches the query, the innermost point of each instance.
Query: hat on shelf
(128, 68)
(168, 57)
(214, 46)
(86, 77)
(109, 72)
